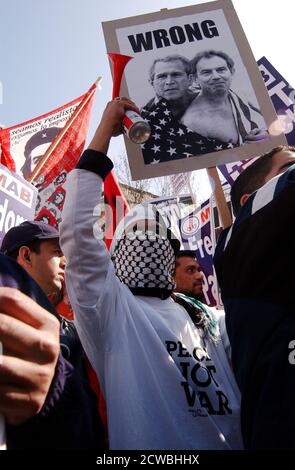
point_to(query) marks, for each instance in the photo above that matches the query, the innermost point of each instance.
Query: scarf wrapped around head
(145, 262)
(143, 253)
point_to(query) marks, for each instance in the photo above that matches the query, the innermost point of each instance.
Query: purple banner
(282, 96)
(231, 171)
(195, 230)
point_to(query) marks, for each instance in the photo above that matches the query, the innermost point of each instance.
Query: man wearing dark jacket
(254, 262)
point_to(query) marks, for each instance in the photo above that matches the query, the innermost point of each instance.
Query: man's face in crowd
(188, 277)
(171, 80)
(280, 163)
(48, 268)
(213, 75)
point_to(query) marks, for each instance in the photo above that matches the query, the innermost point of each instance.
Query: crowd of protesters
(174, 374)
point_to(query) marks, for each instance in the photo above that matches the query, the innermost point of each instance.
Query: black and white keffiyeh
(145, 260)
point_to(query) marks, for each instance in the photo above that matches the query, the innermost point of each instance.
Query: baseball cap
(26, 232)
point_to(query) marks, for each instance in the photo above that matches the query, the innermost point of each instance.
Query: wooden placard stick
(222, 207)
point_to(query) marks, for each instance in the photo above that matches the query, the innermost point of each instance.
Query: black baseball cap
(25, 233)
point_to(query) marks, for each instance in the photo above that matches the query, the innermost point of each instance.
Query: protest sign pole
(61, 134)
(193, 196)
(222, 207)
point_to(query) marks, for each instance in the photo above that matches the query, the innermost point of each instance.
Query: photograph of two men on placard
(196, 82)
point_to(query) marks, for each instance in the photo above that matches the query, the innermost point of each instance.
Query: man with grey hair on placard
(217, 112)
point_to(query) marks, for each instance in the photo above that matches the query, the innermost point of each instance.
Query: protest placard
(17, 200)
(204, 110)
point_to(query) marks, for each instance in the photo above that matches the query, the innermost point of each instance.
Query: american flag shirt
(170, 139)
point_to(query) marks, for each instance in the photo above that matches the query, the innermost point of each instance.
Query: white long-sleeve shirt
(165, 386)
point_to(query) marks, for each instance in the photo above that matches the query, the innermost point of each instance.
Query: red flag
(55, 141)
(23, 145)
(117, 203)
(59, 159)
(66, 148)
(5, 158)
